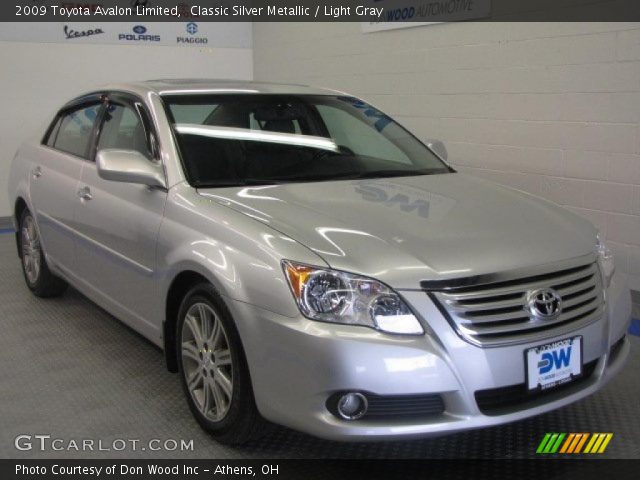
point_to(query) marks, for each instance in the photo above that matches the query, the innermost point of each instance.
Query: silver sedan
(303, 259)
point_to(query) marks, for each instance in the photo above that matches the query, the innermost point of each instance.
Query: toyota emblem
(544, 303)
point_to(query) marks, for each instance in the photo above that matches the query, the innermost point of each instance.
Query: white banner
(416, 13)
(187, 34)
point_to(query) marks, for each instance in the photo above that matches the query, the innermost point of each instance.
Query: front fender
(240, 256)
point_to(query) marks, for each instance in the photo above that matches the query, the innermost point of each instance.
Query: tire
(36, 272)
(213, 369)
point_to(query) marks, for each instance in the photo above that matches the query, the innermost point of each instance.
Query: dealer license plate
(554, 363)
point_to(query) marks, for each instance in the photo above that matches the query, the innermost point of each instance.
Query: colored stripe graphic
(568, 443)
(606, 441)
(582, 441)
(555, 447)
(592, 440)
(598, 442)
(550, 443)
(543, 443)
(573, 443)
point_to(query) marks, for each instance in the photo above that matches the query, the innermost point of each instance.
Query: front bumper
(296, 364)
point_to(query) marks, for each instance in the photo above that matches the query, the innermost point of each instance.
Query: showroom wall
(553, 109)
(36, 80)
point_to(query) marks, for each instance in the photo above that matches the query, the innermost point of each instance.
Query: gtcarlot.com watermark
(46, 443)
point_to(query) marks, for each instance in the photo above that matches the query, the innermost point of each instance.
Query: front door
(119, 222)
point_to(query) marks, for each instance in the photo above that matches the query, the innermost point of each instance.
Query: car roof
(195, 86)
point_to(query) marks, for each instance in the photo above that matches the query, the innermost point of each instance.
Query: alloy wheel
(31, 250)
(206, 360)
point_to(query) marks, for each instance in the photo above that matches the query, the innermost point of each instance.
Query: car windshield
(249, 139)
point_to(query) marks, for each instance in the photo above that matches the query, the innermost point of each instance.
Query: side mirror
(129, 166)
(438, 147)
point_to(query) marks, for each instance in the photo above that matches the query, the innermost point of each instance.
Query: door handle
(36, 172)
(85, 193)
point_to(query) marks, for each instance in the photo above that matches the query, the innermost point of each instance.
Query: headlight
(606, 261)
(339, 297)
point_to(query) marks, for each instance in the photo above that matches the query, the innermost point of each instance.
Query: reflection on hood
(406, 229)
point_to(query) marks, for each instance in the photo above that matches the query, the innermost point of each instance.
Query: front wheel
(213, 369)
(37, 275)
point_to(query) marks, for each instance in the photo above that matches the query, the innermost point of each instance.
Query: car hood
(404, 230)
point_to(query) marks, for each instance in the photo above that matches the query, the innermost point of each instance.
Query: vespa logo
(70, 33)
(544, 303)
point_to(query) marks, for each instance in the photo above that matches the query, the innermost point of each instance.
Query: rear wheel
(37, 275)
(213, 368)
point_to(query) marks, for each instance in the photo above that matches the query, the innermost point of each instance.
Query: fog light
(352, 406)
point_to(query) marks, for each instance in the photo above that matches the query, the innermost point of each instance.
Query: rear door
(119, 222)
(55, 176)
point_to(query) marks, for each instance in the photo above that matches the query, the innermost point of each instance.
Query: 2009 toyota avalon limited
(302, 258)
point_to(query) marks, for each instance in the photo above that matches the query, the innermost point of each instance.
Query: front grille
(498, 401)
(389, 407)
(495, 313)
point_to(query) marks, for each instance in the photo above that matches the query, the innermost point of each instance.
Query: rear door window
(74, 131)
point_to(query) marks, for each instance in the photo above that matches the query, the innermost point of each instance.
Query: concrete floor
(72, 371)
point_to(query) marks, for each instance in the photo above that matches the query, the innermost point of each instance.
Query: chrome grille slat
(577, 312)
(476, 293)
(496, 317)
(570, 283)
(571, 290)
(590, 296)
(497, 314)
(474, 307)
(493, 330)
